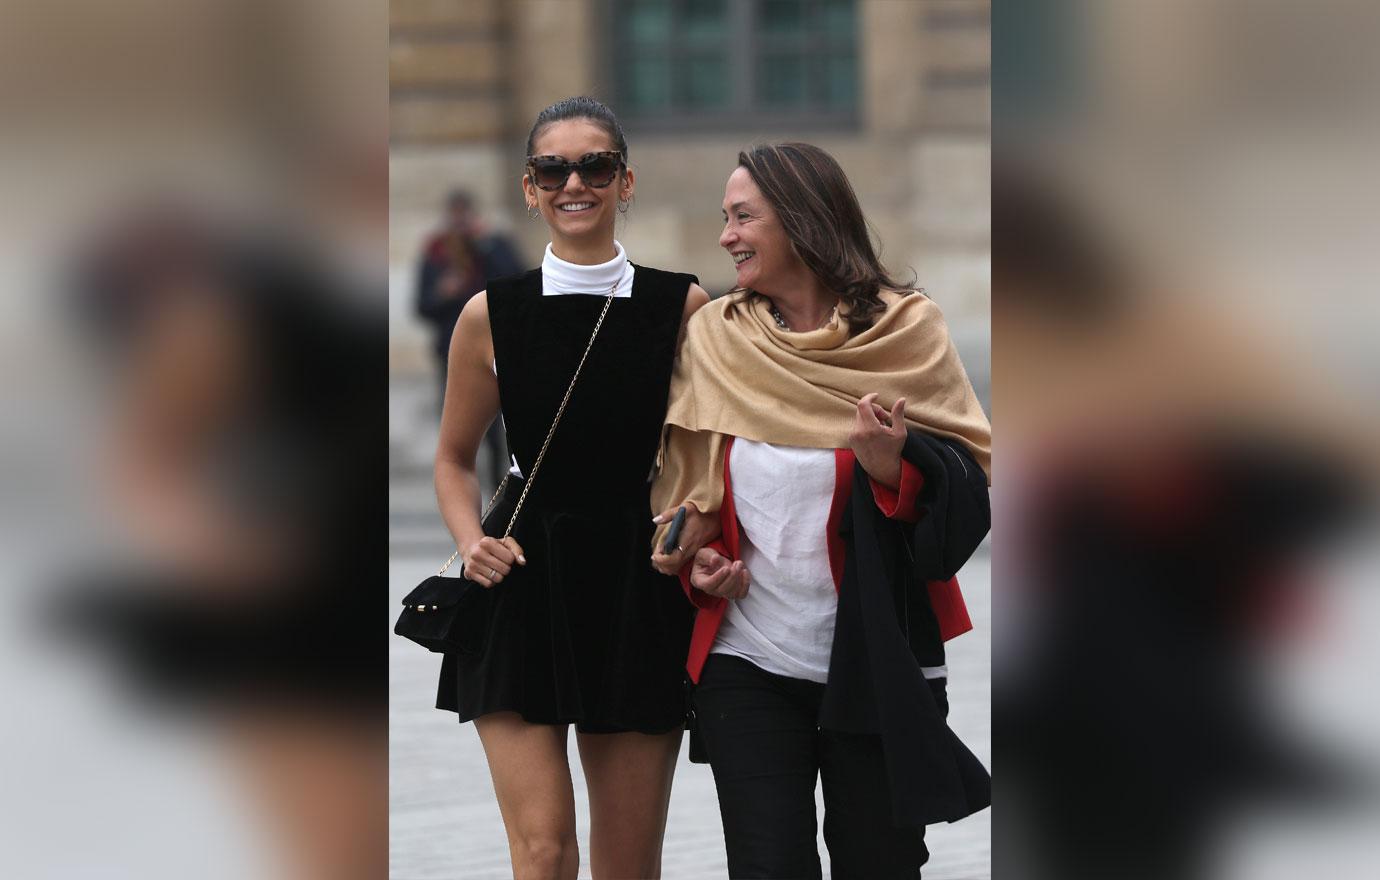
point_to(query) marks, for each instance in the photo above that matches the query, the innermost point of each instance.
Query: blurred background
(897, 90)
(1185, 371)
(193, 242)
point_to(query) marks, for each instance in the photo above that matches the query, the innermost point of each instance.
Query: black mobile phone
(673, 533)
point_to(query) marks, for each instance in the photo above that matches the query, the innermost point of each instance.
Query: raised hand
(877, 439)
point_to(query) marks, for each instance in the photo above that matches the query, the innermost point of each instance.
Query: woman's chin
(751, 281)
(580, 224)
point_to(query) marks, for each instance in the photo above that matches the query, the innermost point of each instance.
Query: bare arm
(471, 405)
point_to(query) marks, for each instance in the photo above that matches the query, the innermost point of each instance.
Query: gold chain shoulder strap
(527, 485)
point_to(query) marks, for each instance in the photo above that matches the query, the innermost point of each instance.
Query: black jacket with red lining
(894, 556)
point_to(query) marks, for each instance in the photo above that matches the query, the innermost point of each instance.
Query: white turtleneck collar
(559, 277)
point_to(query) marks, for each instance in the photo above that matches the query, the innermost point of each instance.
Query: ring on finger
(493, 573)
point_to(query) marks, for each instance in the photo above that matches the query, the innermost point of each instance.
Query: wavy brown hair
(825, 224)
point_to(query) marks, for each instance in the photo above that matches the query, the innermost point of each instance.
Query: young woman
(818, 643)
(580, 630)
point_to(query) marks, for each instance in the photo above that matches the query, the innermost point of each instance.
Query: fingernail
(657, 518)
(522, 560)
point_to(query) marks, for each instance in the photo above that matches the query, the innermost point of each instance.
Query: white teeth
(577, 206)
(740, 257)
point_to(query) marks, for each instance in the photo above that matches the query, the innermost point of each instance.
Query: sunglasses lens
(550, 174)
(598, 170)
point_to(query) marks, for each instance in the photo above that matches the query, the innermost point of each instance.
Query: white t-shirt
(785, 623)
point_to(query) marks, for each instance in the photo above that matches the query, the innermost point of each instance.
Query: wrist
(888, 475)
(468, 540)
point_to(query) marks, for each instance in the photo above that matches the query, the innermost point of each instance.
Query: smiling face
(577, 211)
(754, 237)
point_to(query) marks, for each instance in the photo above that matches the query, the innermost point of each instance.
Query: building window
(735, 62)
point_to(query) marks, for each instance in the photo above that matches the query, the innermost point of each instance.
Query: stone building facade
(907, 114)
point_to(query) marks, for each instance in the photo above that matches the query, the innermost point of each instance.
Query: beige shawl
(739, 374)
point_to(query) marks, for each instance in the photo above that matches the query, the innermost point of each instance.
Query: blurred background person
(1182, 258)
(1163, 537)
(194, 244)
(235, 456)
(456, 263)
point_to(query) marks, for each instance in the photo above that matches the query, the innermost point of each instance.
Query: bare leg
(320, 783)
(629, 780)
(532, 781)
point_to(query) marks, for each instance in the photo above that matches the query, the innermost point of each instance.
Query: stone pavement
(444, 821)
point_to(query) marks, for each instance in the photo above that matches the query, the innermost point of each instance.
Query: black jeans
(762, 736)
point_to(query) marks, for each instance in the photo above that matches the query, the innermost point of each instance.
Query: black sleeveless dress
(587, 632)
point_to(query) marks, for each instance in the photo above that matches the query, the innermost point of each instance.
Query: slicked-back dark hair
(580, 107)
(824, 222)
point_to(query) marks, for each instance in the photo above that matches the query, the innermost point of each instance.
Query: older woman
(822, 422)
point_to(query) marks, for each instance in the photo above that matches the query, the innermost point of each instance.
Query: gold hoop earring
(533, 212)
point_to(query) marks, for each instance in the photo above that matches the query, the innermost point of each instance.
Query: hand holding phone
(672, 540)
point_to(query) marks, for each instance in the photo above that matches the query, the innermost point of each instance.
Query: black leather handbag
(451, 615)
